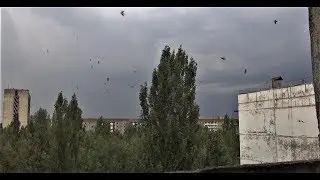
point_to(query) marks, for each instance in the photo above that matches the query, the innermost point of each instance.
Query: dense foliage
(168, 138)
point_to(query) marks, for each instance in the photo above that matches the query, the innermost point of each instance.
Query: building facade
(116, 124)
(16, 104)
(212, 123)
(120, 124)
(278, 124)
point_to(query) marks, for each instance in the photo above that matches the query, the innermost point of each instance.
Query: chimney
(276, 82)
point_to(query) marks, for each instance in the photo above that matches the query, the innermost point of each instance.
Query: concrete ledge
(310, 166)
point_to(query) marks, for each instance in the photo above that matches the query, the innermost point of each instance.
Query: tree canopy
(168, 136)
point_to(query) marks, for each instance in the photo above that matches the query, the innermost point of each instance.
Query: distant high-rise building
(16, 104)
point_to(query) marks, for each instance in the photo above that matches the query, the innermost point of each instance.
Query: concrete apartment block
(22, 105)
(7, 107)
(120, 124)
(116, 124)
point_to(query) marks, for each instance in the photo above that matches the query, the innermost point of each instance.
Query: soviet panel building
(116, 124)
(120, 124)
(16, 104)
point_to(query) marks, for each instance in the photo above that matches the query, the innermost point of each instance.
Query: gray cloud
(247, 37)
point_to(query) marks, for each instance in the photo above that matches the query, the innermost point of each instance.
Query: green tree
(39, 131)
(143, 95)
(61, 127)
(227, 143)
(74, 125)
(102, 127)
(169, 139)
(172, 122)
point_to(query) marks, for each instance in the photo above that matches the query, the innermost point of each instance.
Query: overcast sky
(129, 47)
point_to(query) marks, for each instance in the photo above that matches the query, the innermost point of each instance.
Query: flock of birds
(223, 58)
(107, 82)
(98, 61)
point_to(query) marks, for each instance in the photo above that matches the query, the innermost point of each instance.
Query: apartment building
(212, 123)
(116, 124)
(16, 104)
(120, 124)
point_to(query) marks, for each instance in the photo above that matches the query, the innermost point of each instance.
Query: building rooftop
(13, 89)
(269, 87)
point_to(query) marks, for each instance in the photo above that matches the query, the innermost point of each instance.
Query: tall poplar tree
(170, 112)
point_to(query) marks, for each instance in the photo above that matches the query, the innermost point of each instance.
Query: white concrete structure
(278, 125)
(16, 101)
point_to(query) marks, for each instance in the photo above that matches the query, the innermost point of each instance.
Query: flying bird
(245, 71)
(275, 21)
(90, 59)
(91, 67)
(78, 87)
(105, 83)
(134, 71)
(98, 62)
(108, 79)
(107, 91)
(122, 13)
(45, 51)
(223, 58)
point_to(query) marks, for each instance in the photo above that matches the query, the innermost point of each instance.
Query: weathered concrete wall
(312, 166)
(278, 125)
(7, 108)
(314, 29)
(24, 109)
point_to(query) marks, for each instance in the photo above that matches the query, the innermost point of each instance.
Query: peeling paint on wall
(278, 125)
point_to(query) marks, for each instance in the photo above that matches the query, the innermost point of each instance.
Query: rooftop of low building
(13, 89)
(267, 85)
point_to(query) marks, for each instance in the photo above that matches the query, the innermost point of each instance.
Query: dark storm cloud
(247, 37)
(11, 58)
